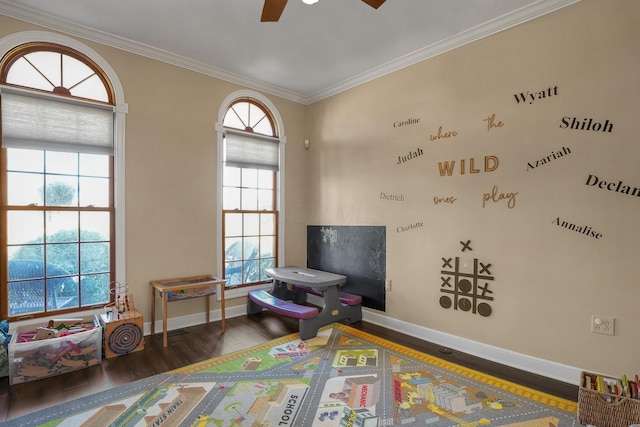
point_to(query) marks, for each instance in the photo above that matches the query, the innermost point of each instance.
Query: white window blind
(246, 150)
(49, 122)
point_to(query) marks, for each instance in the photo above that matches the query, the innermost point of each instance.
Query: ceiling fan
(273, 8)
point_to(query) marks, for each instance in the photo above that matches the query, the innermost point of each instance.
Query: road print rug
(343, 377)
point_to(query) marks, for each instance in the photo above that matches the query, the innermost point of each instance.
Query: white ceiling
(314, 51)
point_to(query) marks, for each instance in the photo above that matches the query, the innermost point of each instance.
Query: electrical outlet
(387, 285)
(602, 325)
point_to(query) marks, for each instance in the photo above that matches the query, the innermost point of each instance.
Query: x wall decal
(466, 245)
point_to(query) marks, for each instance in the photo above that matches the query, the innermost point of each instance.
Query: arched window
(57, 162)
(52, 68)
(251, 165)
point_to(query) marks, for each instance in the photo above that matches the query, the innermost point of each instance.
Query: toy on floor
(60, 346)
(123, 301)
(45, 333)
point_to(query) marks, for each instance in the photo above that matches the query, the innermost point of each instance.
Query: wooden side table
(184, 288)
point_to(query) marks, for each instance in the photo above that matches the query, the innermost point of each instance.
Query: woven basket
(595, 409)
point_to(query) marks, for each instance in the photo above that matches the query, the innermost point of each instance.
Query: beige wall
(547, 280)
(171, 171)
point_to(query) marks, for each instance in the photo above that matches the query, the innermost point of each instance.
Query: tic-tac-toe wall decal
(466, 290)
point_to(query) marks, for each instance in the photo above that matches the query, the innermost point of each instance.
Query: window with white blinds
(250, 178)
(57, 181)
(34, 120)
(245, 150)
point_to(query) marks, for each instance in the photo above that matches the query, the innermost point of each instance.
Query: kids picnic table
(290, 288)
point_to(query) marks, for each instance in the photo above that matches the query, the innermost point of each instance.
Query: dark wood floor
(202, 342)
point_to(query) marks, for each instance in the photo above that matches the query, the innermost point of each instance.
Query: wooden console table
(184, 288)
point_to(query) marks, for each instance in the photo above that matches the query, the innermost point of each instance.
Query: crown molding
(494, 26)
(72, 29)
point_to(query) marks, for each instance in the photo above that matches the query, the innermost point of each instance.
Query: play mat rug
(342, 377)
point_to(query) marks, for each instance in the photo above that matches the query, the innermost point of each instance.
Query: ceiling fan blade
(272, 10)
(374, 3)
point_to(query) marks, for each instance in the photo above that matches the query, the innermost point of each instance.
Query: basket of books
(607, 401)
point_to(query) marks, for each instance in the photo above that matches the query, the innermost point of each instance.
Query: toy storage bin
(604, 409)
(33, 360)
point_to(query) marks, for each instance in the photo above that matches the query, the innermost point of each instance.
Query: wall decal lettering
(491, 122)
(393, 197)
(530, 97)
(618, 187)
(553, 156)
(407, 122)
(583, 229)
(413, 226)
(411, 155)
(450, 200)
(495, 197)
(466, 245)
(467, 292)
(447, 168)
(443, 135)
(586, 124)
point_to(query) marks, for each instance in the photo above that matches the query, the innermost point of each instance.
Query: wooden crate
(605, 409)
(123, 333)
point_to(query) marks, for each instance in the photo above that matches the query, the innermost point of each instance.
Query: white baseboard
(546, 368)
(195, 319)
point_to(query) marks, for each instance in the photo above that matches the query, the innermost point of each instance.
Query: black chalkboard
(358, 252)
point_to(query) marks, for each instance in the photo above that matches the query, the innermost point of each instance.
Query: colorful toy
(123, 301)
(45, 333)
(41, 351)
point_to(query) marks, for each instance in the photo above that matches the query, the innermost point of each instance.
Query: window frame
(26, 48)
(29, 39)
(255, 97)
(48, 209)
